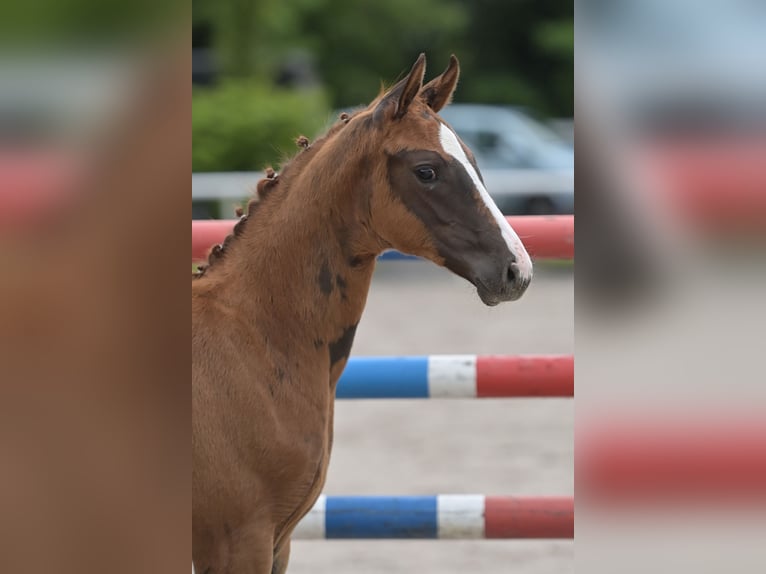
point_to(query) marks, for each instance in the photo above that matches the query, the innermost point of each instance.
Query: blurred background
(95, 155)
(669, 311)
(266, 71)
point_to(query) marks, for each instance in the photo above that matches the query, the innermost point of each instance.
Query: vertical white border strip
(313, 525)
(451, 145)
(460, 516)
(452, 376)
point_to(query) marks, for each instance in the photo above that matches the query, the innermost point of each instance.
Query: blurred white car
(527, 168)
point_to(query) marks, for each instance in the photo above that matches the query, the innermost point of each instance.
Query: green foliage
(360, 43)
(251, 36)
(355, 43)
(511, 52)
(84, 23)
(243, 125)
(501, 89)
(525, 49)
(556, 38)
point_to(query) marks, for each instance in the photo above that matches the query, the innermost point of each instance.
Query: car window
(491, 150)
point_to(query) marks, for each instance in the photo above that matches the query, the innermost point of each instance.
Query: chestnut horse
(275, 311)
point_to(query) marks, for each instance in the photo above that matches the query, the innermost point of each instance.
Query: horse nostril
(512, 273)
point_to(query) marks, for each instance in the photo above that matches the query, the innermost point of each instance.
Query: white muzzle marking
(451, 146)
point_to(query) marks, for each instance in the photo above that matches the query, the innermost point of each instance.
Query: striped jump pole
(544, 236)
(444, 516)
(457, 376)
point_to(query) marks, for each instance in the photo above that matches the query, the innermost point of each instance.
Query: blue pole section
(396, 256)
(381, 517)
(384, 377)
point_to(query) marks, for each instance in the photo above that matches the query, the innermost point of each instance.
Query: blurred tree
(512, 52)
(77, 24)
(244, 125)
(359, 43)
(521, 52)
(354, 43)
(250, 35)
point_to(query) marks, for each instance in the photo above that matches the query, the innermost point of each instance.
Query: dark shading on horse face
(470, 238)
(432, 175)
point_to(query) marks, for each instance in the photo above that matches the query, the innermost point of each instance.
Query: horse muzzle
(508, 285)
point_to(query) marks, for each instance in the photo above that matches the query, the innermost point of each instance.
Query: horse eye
(426, 173)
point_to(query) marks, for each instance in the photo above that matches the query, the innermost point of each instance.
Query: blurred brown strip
(95, 408)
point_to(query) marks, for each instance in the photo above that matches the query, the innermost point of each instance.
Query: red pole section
(544, 236)
(525, 376)
(35, 185)
(658, 460)
(715, 183)
(511, 517)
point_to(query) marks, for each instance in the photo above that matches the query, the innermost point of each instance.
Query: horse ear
(404, 92)
(438, 92)
(412, 85)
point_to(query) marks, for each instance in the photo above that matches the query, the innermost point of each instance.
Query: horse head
(427, 196)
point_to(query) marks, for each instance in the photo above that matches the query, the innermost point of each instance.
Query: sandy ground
(522, 446)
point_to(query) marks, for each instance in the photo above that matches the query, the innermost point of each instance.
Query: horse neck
(302, 267)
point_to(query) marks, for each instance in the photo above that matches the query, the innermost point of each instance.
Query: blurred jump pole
(544, 236)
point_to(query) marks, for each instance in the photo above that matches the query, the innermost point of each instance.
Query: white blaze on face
(452, 146)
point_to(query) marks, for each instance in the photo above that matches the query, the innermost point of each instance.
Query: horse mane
(267, 185)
